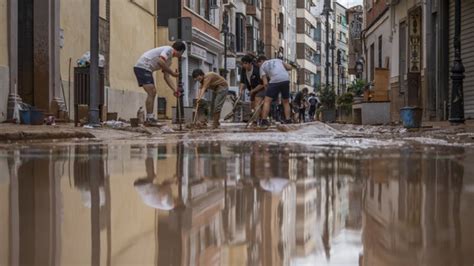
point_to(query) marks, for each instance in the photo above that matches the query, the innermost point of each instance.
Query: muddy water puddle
(235, 204)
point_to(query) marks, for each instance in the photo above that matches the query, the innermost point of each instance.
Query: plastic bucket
(411, 117)
(37, 117)
(25, 117)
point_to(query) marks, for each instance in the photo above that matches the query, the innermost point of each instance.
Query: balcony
(254, 11)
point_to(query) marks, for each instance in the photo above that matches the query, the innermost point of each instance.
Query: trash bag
(85, 60)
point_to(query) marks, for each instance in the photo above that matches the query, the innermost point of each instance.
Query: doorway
(25, 33)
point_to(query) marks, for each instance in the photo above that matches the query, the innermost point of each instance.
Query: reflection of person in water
(156, 195)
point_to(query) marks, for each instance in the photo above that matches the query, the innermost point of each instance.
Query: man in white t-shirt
(275, 77)
(154, 60)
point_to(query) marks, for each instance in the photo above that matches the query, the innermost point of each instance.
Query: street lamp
(326, 11)
(225, 30)
(457, 95)
(359, 68)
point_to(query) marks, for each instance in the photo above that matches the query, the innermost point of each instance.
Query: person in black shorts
(154, 60)
(276, 71)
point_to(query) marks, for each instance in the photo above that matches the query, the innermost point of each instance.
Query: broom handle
(255, 114)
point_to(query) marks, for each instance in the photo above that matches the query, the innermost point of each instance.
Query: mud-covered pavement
(314, 134)
(305, 197)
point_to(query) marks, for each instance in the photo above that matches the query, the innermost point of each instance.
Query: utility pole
(326, 11)
(333, 47)
(179, 98)
(94, 65)
(457, 95)
(338, 62)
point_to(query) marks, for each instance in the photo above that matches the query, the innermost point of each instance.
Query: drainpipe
(94, 65)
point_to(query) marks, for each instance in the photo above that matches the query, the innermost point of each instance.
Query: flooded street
(240, 203)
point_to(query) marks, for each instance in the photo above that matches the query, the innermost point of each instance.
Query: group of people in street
(304, 106)
(266, 80)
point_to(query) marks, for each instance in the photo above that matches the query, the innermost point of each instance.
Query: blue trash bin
(411, 117)
(25, 117)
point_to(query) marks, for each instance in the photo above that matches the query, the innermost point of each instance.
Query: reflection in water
(246, 204)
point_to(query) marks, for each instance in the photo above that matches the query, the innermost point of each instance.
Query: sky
(350, 3)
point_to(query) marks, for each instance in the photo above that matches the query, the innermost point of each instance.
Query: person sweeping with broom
(212, 81)
(250, 79)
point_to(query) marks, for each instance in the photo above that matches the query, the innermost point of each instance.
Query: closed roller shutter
(467, 51)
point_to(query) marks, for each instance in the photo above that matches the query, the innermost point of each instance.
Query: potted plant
(357, 89)
(327, 96)
(344, 106)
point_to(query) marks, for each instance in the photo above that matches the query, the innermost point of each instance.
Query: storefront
(202, 54)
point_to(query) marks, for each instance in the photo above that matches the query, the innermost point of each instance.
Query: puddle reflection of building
(413, 216)
(36, 205)
(91, 180)
(194, 231)
(224, 220)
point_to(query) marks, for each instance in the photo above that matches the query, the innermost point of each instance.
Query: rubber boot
(215, 120)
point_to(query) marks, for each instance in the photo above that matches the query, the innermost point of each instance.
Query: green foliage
(345, 101)
(327, 95)
(357, 87)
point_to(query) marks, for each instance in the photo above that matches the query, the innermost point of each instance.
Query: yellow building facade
(127, 30)
(4, 80)
(132, 32)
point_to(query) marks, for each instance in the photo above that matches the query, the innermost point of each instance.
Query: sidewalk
(429, 130)
(14, 132)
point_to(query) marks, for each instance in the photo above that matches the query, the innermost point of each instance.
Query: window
(317, 32)
(239, 33)
(309, 29)
(253, 33)
(310, 54)
(339, 19)
(281, 23)
(257, 3)
(317, 58)
(380, 51)
(202, 7)
(372, 62)
(343, 37)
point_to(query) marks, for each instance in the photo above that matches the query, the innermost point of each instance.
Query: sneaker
(264, 124)
(287, 121)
